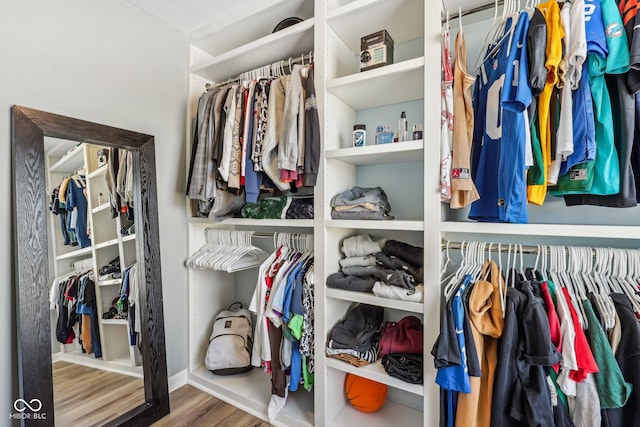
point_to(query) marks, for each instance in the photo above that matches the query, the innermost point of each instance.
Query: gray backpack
(230, 343)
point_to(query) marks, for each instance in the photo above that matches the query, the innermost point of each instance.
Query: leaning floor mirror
(90, 327)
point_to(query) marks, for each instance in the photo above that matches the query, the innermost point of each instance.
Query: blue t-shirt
(456, 377)
(594, 28)
(516, 98)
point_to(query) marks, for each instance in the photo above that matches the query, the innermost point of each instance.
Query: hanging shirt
(606, 166)
(551, 11)
(568, 333)
(463, 190)
(584, 357)
(488, 130)
(485, 312)
(516, 98)
(564, 140)
(456, 376)
(446, 120)
(628, 358)
(612, 388)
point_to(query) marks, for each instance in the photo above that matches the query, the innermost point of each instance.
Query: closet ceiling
(191, 15)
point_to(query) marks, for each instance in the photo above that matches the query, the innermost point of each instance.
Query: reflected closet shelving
(65, 158)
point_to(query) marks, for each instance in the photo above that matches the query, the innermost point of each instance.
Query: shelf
(100, 171)
(251, 392)
(110, 282)
(403, 20)
(375, 372)
(128, 237)
(305, 223)
(101, 207)
(386, 85)
(106, 244)
(119, 365)
(290, 42)
(399, 225)
(223, 34)
(115, 322)
(74, 254)
(367, 298)
(391, 414)
(559, 230)
(409, 151)
(70, 162)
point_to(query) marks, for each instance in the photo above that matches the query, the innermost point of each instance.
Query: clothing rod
(471, 11)
(504, 247)
(285, 63)
(262, 235)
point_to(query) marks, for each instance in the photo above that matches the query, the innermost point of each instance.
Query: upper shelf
(403, 20)
(368, 298)
(409, 151)
(308, 223)
(386, 85)
(290, 42)
(561, 230)
(227, 34)
(395, 224)
(70, 162)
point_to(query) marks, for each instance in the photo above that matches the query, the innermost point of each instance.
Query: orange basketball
(365, 395)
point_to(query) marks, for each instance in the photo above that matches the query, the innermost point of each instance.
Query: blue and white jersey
(498, 158)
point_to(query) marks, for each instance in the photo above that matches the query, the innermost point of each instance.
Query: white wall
(107, 62)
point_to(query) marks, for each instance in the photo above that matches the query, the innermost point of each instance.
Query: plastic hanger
(458, 274)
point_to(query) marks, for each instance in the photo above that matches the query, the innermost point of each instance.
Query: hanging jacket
(485, 312)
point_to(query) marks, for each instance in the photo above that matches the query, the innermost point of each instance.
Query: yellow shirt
(555, 34)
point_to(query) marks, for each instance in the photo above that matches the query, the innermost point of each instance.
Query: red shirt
(554, 321)
(584, 356)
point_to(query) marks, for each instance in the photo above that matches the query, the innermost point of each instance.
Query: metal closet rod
(285, 63)
(471, 11)
(504, 247)
(260, 235)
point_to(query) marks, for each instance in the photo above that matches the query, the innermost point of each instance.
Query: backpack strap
(233, 304)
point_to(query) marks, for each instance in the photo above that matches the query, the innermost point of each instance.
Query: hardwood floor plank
(90, 397)
(191, 407)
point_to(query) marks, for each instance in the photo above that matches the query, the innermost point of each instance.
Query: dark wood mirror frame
(29, 127)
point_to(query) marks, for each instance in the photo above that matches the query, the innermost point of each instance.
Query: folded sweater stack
(361, 203)
(380, 267)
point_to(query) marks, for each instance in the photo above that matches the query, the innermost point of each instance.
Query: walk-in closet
(352, 212)
(426, 210)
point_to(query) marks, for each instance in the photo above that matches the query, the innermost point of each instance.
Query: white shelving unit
(218, 52)
(332, 28)
(64, 158)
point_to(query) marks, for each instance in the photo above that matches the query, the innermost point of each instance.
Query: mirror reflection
(94, 294)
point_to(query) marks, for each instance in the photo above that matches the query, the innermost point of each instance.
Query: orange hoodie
(487, 323)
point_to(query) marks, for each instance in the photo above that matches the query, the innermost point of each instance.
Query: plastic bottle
(403, 128)
(417, 132)
(359, 135)
(383, 135)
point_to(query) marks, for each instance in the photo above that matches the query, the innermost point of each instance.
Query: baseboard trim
(178, 380)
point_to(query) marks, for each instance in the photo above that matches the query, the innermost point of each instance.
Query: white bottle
(403, 128)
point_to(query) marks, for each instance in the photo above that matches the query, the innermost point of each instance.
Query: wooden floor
(194, 408)
(90, 397)
(85, 396)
